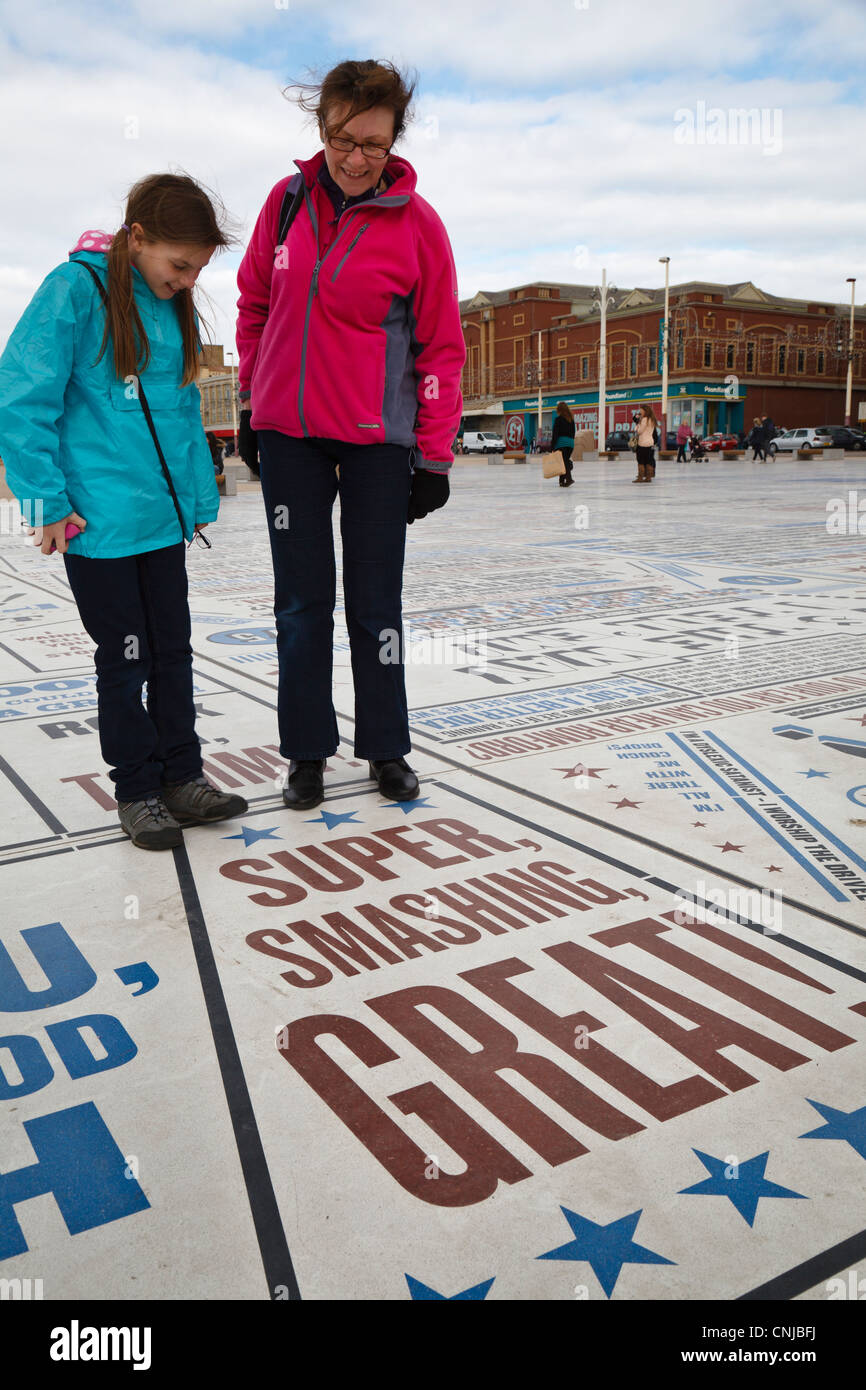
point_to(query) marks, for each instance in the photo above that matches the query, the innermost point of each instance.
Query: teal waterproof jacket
(74, 437)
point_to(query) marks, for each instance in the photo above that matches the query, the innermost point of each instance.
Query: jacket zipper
(314, 290)
(346, 257)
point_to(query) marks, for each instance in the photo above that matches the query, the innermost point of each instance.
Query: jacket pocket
(349, 249)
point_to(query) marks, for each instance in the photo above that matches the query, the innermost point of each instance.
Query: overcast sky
(553, 137)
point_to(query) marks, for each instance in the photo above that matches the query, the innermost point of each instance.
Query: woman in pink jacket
(351, 351)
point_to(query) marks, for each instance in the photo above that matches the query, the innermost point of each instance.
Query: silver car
(803, 439)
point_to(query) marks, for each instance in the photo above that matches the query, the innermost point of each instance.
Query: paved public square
(626, 1057)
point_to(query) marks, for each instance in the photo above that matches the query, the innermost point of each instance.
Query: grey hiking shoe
(198, 803)
(149, 824)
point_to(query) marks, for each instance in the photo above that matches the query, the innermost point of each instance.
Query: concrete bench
(227, 481)
(734, 455)
(514, 457)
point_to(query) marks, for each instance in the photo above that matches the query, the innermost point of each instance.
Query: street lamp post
(666, 262)
(850, 382)
(539, 383)
(231, 358)
(604, 294)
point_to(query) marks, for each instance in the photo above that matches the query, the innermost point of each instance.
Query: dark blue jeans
(136, 610)
(299, 484)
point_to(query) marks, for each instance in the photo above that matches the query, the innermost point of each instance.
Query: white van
(482, 442)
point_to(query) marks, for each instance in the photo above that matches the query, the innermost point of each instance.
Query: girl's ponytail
(122, 320)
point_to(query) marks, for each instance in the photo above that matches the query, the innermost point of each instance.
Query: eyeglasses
(202, 540)
(346, 146)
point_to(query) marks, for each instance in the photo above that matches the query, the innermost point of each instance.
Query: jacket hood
(405, 177)
(95, 242)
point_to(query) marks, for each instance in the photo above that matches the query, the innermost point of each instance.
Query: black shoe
(305, 786)
(396, 779)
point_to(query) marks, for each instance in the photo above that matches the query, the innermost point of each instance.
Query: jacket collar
(403, 185)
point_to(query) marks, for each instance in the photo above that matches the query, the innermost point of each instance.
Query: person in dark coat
(769, 433)
(756, 439)
(563, 439)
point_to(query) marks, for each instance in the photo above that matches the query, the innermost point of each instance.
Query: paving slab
(587, 1021)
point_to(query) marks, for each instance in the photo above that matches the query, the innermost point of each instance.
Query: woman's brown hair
(648, 412)
(168, 207)
(360, 86)
(563, 411)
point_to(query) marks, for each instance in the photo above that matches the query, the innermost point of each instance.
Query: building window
(544, 294)
(782, 356)
(708, 299)
(750, 357)
(584, 369)
(562, 369)
(562, 342)
(653, 363)
(518, 318)
(730, 323)
(801, 360)
(632, 361)
(708, 354)
(730, 355)
(820, 362)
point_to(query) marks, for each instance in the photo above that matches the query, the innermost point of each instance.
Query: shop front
(704, 406)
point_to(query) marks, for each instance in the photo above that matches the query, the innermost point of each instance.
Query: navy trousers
(299, 485)
(136, 610)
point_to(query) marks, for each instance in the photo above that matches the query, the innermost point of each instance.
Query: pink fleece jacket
(353, 331)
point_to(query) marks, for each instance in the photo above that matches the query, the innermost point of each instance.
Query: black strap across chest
(140, 392)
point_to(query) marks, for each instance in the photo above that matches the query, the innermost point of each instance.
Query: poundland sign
(727, 390)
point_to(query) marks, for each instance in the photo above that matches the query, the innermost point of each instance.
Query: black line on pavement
(23, 659)
(43, 811)
(811, 1272)
(730, 916)
(277, 1261)
(656, 846)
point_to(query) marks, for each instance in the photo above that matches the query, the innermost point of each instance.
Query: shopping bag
(552, 465)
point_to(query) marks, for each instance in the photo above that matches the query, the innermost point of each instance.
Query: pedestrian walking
(756, 440)
(769, 435)
(683, 436)
(646, 428)
(100, 423)
(563, 439)
(351, 352)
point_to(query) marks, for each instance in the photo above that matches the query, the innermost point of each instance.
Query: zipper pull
(316, 277)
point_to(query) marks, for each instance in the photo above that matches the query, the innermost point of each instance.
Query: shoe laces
(156, 807)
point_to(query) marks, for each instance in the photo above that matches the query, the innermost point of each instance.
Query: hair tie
(123, 227)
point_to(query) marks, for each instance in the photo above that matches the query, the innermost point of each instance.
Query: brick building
(735, 352)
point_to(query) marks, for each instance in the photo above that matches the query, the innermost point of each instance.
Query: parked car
(803, 439)
(617, 440)
(845, 438)
(713, 443)
(483, 442)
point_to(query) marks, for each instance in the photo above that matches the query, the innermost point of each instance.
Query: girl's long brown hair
(648, 412)
(169, 207)
(563, 411)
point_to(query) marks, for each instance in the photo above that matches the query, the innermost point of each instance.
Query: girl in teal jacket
(108, 336)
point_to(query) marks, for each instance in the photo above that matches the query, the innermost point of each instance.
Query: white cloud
(537, 130)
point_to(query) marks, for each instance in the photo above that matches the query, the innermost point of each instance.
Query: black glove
(248, 443)
(429, 491)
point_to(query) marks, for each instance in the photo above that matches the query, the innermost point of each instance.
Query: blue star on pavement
(407, 806)
(249, 836)
(605, 1248)
(847, 1125)
(745, 1189)
(332, 818)
(423, 1293)
(813, 773)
